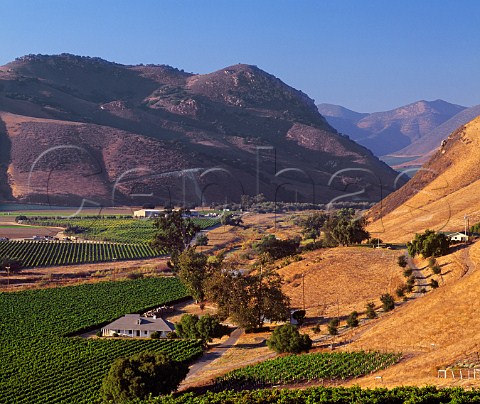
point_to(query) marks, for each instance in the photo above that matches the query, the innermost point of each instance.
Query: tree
(287, 338)
(333, 326)
(138, 376)
(202, 240)
(388, 303)
(174, 233)
(230, 219)
(344, 229)
(277, 248)
(312, 225)
(249, 299)
(204, 328)
(192, 271)
(434, 284)
(10, 265)
(402, 261)
(352, 319)
(371, 313)
(429, 244)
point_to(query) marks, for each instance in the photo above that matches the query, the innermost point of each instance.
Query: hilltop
(111, 133)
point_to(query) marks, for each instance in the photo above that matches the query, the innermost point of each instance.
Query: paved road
(212, 355)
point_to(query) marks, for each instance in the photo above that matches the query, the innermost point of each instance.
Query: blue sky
(368, 55)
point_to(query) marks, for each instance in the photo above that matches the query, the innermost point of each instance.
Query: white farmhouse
(456, 237)
(132, 325)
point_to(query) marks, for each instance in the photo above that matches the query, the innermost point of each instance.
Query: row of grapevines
(327, 395)
(40, 364)
(306, 367)
(41, 254)
(118, 230)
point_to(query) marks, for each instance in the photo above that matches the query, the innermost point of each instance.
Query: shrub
(371, 313)
(155, 335)
(352, 320)
(287, 338)
(436, 269)
(400, 291)
(98, 333)
(434, 284)
(316, 329)
(407, 272)
(402, 261)
(333, 326)
(388, 303)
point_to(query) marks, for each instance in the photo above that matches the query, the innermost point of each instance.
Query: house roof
(135, 322)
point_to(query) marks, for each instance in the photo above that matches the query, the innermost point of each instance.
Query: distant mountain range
(414, 130)
(78, 128)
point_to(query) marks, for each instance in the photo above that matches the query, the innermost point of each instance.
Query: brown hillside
(437, 330)
(174, 135)
(440, 194)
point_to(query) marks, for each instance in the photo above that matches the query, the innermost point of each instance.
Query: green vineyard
(40, 364)
(41, 254)
(306, 367)
(328, 395)
(118, 230)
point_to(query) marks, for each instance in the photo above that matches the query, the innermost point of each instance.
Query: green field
(52, 253)
(306, 367)
(328, 395)
(113, 229)
(41, 364)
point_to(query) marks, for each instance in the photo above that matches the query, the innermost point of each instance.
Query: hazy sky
(368, 55)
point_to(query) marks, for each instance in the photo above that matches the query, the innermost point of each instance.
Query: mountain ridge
(227, 133)
(394, 132)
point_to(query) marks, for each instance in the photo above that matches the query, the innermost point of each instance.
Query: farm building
(132, 325)
(456, 237)
(146, 213)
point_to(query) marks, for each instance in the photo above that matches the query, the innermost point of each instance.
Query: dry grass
(444, 202)
(340, 280)
(434, 331)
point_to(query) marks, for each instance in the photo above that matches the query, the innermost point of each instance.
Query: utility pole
(8, 267)
(303, 290)
(465, 218)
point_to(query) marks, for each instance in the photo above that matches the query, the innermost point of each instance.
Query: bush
(287, 338)
(155, 335)
(436, 269)
(400, 291)
(98, 333)
(333, 326)
(402, 261)
(316, 329)
(371, 313)
(434, 284)
(352, 320)
(407, 272)
(388, 303)
(140, 375)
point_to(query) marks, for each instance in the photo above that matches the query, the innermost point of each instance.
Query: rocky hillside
(400, 131)
(84, 129)
(440, 195)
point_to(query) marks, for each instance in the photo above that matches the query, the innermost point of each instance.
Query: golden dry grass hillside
(444, 191)
(340, 280)
(437, 330)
